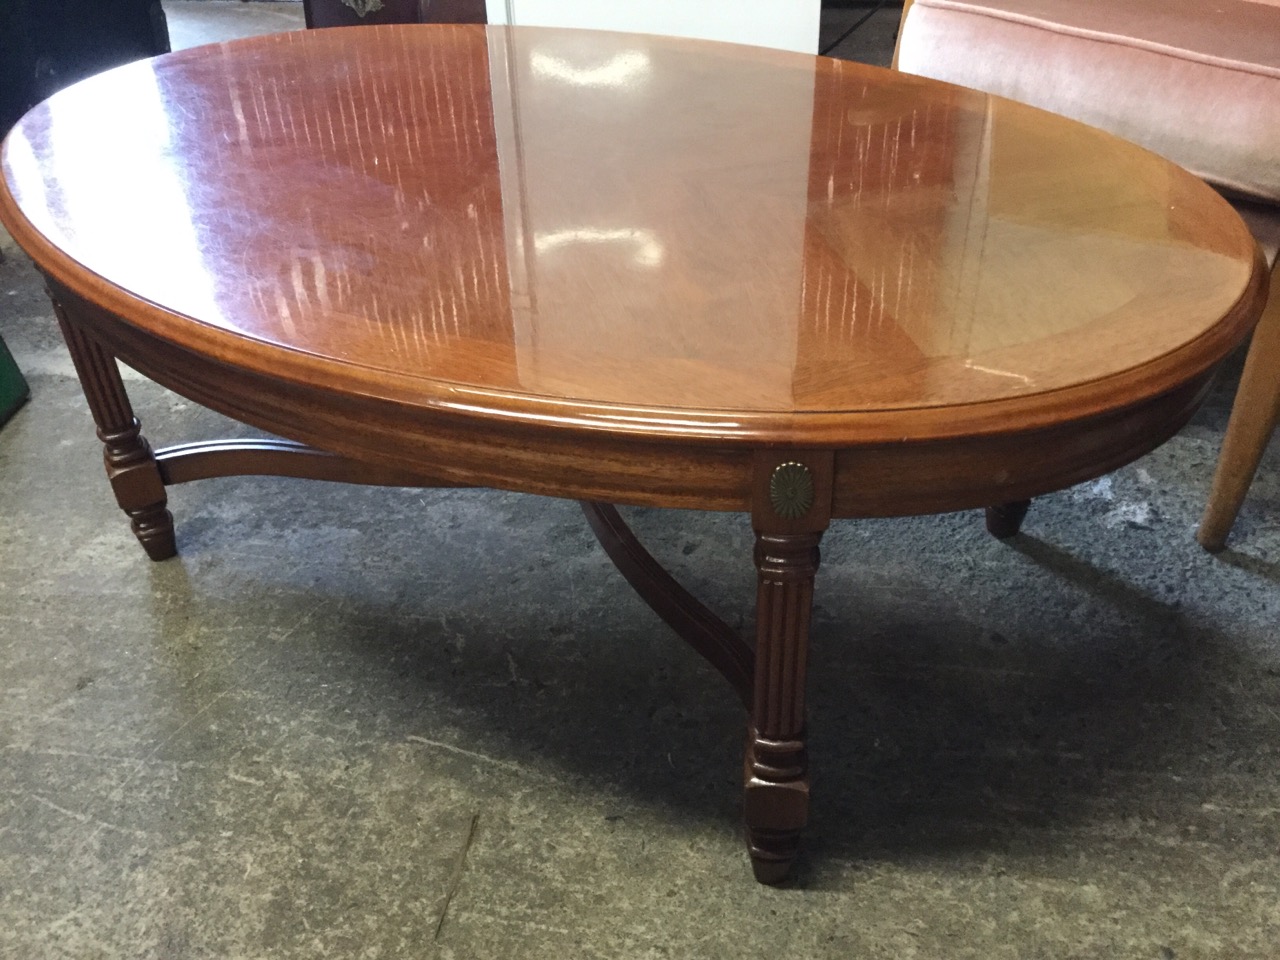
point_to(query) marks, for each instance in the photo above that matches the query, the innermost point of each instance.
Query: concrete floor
(1063, 746)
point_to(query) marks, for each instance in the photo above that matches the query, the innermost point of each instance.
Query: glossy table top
(629, 232)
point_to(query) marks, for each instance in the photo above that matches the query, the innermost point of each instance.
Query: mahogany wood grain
(626, 269)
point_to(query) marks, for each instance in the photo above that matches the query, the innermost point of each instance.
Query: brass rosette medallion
(791, 490)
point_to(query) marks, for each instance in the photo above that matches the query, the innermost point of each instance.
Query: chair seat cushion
(1197, 81)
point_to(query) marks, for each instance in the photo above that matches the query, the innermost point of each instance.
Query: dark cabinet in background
(353, 13)
(47, 44)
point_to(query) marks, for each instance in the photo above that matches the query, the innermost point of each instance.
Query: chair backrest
(1196, 82)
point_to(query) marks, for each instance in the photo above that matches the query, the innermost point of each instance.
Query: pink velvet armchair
(1196, 81)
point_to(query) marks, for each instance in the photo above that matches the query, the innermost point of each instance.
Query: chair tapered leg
(1253, 418)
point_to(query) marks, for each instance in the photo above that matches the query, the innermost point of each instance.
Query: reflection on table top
(623, 219)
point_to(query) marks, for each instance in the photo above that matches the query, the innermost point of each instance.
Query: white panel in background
(784, 24)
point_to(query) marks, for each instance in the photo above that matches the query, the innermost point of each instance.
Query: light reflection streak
(970, 365)
(157, 251)
(649, 250)
(645, 424)
(618, 71)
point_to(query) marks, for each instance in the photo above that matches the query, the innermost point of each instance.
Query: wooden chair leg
(1253, 418)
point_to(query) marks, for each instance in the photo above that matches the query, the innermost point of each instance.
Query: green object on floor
(13, 388)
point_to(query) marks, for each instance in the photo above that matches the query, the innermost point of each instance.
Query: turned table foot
(1005, 520)
(776, 803)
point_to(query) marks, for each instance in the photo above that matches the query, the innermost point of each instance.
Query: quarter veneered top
(625, 231)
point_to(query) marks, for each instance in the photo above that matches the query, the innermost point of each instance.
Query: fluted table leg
(131, 466)
(791, 509)
(776, 776)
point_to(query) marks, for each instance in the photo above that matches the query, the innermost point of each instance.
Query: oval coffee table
(626, 269)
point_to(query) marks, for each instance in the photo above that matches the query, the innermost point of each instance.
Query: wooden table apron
(793, 475)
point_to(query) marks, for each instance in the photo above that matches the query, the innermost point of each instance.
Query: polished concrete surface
(340, 703)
